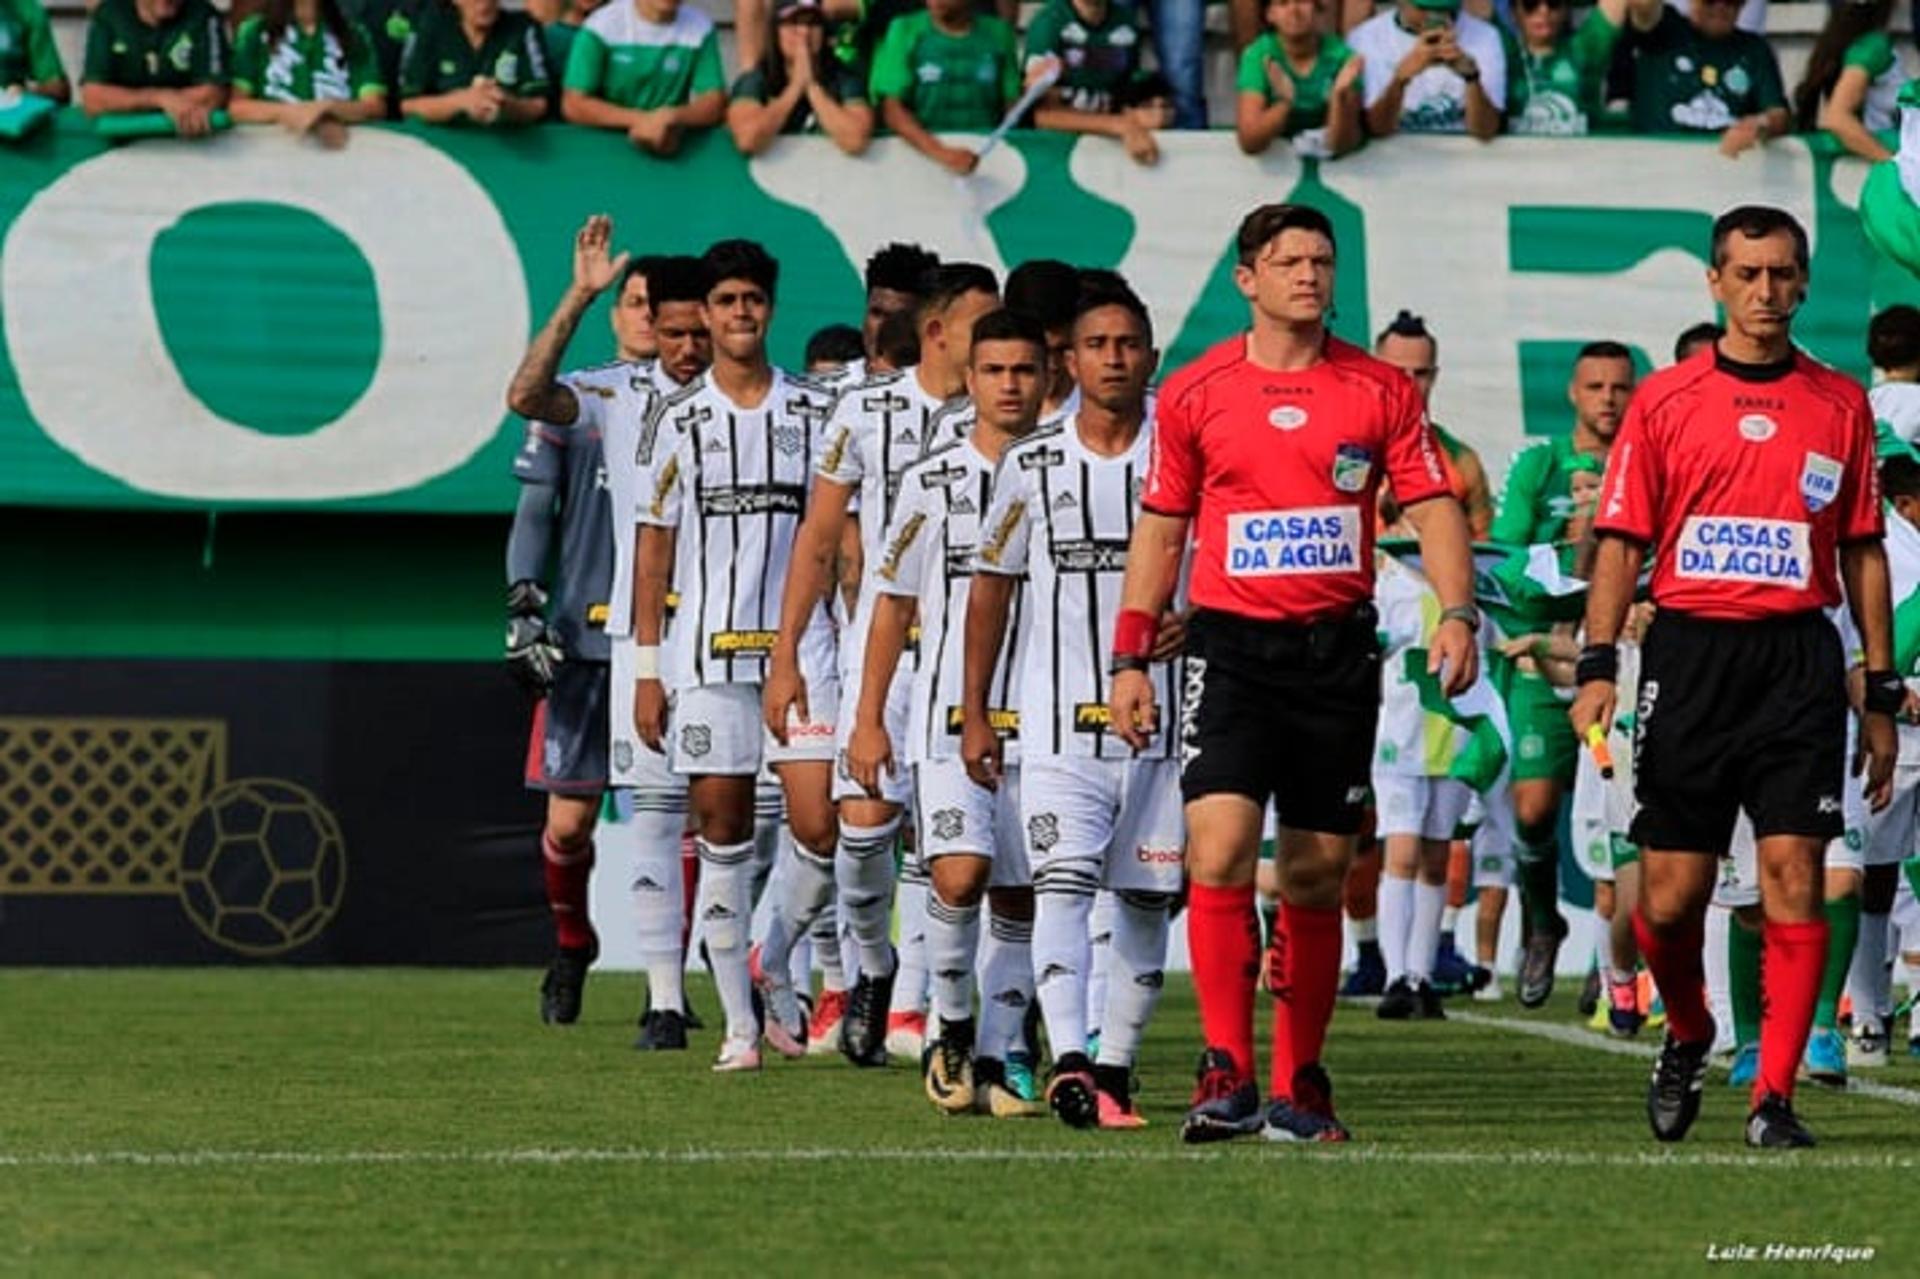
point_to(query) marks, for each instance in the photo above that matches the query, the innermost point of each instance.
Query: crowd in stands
(1320, 76)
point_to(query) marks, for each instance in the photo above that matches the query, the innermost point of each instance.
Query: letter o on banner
(85, 341)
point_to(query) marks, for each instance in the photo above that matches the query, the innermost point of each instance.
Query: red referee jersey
(1279, 472)
(1745, 481)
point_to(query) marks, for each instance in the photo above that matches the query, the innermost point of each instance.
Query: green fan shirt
(622, 58)
(124, 51)
(963, 83)
(1311, 92)
(1097, 61)
(439, 59)
(841, 84)
(1537, 501)
(1562, 92)
(27, 52)
(1686, 83)
(304, 66)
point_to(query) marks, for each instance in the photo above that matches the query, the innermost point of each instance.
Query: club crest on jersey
(948, 823)
(789, 440)
(1820, 481)
(1043, 831)
(1352, 466)
(1287, 417)
(1758, 428)
(696, 740)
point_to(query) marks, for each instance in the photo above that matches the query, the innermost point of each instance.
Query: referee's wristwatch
(1466, 614)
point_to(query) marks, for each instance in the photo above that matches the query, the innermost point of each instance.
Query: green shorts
(1544, 745)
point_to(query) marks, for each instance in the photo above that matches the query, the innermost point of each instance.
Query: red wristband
(1134, 632)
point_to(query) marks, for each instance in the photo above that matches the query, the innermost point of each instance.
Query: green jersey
(1096, 59)
(624, 59)
(1873, 53)
(440, 59)
(27, 52)
(124, 51)
(963, 83)
(304, 66)
(1686, 83)
(1312, 91)
(1560, 92)
(1537, 501)
(838, 79)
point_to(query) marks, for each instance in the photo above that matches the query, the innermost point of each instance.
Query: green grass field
(381, 1122)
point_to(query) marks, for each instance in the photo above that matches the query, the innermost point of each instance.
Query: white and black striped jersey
(938, 523)
(630, 399)
(1062, 516)
(732, 483)
(879, 428)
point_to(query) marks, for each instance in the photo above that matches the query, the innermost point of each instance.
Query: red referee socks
(1675, 960)
(566, 876)
(1791, 964)
(1223, 937)
(1306, 992)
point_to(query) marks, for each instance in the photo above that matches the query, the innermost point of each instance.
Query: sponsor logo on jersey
(1066, 502)
(1352, 465)
(1091, 717)
(962, 505)
(741, 643)
(1041, 458)
(1315, 539)
(1156, 856)
(1758, 428)
(884, 403)
(959, 561)
(1095, 556)
(1733, 549)
(1287, 417)
(753, 499)
(902, 542)
(1001, 720)
(1820, 481)
(597, 614)
(996, 544)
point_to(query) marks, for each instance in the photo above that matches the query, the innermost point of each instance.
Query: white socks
(953, 945)
(1063, 892)
(1006, 985)
(865, 868)
(804, 889)
(725, 909)
(658, 892)
(1138, 958)
(1870, 980)
(1100, 936)
(1423, 936)
(910, 899)
(1395, 921)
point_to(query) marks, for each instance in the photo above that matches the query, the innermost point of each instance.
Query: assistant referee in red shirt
(1271, 447)
(1747, 471)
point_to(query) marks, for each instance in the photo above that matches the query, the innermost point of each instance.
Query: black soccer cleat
(1673, 1093)
(1428, 998)
(863, 1033)
(1308, 1114)
(1399, 1003)
(1071, 1091)
(1536, 966)
(1774, 1126)
(662, 1030)
(561, 988)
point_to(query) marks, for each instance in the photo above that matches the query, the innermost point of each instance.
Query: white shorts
(816, 740)
(959, 816)
(1125, 814)
(895, 787)
(1592, 830)
(631, 763)
(1493, 863)
(1739, 883)
(1428, 807)
(1891, 834)
(717, 731)
(1906, 914)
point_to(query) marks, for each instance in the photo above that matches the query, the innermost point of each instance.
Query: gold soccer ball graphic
(262, 866)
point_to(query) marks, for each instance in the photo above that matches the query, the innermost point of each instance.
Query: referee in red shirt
(1271, 448)
(1747, 471)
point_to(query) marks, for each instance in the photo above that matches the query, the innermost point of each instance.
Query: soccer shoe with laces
(1308, 1114)
(1399, 1003)
(782, 1022)
(1826, 1058)
(1427, 1000)
(1114, 1097)
(662, 1030)
(906, 1035)
(1535, 985)
(992, 1096)
(737, 1056)
(1774, 1126)
(1452, 974)
(1673, 1091)
(1225, 1102)
(1071, 1091)
(863, 1032)
(823, 1030)
(1021, 1077)
(1867, 1049)
(561, 988)
(949, 1068)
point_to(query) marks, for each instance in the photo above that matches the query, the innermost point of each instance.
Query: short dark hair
(1007, 325)
(1100, 288)
(1259, 228)
(1045, 289)
(1900, 476)
(1756, 221)
(1893, 338)
(900, 267)
(641, 266)
(677, 279)
(941, 286)
(836, 344)
(898, 341)
(742, 260)
(1693, 335)
(1605, 349)
(1408, 325)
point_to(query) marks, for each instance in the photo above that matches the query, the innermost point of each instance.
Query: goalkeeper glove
(533, 651)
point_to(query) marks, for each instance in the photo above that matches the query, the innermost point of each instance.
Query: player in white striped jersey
(732, 453)
(677, 292)
(1096, 813)
(965, 777)
(559, 646)
(877, 430)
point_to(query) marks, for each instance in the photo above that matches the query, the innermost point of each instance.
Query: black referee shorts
(1281, 711)
(1737, 715)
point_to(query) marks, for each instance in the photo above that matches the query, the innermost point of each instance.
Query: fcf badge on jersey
(1820, 481)
(1352, 466)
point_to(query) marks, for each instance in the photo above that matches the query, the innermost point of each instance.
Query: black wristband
(1125, 662)
(1886, 692)
(1597, 662)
